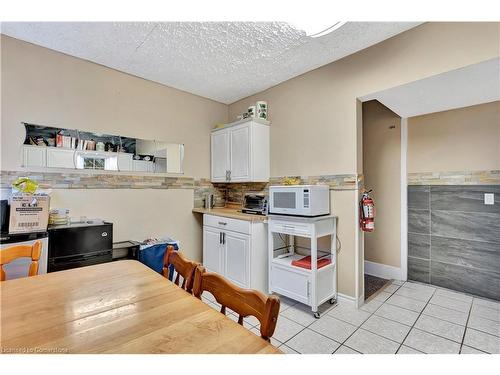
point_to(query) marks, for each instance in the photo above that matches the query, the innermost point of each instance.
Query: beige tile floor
(405, 318)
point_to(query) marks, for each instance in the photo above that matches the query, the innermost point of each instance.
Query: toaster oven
(255, 204)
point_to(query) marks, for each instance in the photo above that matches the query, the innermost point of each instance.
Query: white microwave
(299, 200)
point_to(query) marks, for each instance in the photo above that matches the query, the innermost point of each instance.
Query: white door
(237, 258)
(143, 166)
(240, 154)
(212, 250)
(125, 161)
(34, 156)
(220, 155)
(60, 158)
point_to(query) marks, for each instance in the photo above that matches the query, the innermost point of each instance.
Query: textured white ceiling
(471, 85)
(224, 61)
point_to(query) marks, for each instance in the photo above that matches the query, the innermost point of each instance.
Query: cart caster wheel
(316, 315)
(332, 301)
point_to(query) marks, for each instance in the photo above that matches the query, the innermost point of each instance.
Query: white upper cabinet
(240, 152)
(220, 156)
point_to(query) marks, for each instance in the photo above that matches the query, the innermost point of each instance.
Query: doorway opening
(382, 175)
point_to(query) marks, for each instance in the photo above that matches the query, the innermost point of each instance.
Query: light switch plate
(489, 198)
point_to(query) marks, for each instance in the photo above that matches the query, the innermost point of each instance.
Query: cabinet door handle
(220, 237)
(222, 223)
(223, 238)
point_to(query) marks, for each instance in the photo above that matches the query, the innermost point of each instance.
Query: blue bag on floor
(152, 256)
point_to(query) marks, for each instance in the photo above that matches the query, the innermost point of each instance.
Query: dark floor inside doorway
(373, 284)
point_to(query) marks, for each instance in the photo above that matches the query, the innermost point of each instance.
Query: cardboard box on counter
(29, 213)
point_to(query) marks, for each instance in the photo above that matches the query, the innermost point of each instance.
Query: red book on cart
(306, 262)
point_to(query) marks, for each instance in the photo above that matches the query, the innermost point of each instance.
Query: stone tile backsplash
(454, 238)
(202, 187)
(89, 180)
(487, 177)
(223, 193)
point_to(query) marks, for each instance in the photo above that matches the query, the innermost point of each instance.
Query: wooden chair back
(9, 254)
(182, 267)
(244, 302)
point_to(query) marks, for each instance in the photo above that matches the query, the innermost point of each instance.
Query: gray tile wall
(454, 238)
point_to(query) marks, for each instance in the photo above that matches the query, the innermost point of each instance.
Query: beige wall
(464, 139)
(382, 172)
(49, 88)
(315, 121)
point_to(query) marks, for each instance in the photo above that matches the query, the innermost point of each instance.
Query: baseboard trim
(347, 300)
(361, 300)
(382, 270)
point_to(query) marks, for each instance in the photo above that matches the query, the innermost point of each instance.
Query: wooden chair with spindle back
(182, 266)
(244, 302)
(9, 254)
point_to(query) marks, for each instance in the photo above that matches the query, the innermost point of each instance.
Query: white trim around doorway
(404, 200)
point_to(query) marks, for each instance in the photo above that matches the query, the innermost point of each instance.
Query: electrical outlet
(489, 198)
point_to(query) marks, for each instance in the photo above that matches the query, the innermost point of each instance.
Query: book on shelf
(305, 262)
(66, 141)
(59, 140)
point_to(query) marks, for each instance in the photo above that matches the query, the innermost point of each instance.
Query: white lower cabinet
(60, 158)
(237, 250)
(292, 283)
(142, 166)
(237, 258)
(34, 156)
(212, 250)
(125, 161)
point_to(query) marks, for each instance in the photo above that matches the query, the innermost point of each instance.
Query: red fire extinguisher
(367, 212)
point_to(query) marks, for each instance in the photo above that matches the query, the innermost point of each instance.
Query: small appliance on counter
(209, 201)
(80, 244)
(255, 204)
(299, 200)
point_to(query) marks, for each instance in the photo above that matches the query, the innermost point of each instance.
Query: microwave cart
(315, 281)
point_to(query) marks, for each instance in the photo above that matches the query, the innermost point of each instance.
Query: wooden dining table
(118, 307)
